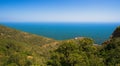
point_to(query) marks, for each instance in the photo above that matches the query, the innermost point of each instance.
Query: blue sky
(60, 11)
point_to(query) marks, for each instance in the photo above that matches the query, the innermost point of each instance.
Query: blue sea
(62, 31)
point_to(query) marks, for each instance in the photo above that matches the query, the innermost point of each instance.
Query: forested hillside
(23, 49)
(19, 48)
(83, 52)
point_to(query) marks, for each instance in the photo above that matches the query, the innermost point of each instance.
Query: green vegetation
(75, 53)
(23, 49)
(111, 53)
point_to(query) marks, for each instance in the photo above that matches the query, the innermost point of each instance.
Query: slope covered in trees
(83, 52)
(111, 49)
(75, 53)
(23, 49)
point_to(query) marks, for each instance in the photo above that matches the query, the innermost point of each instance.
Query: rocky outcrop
(116, 33)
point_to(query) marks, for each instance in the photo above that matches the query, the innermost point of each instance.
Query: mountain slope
(21, 48)
(116, 33)
(83, 52)
(7, 33)
(111, 49)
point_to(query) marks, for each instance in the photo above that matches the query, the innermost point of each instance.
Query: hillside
(83, 52)
(7, 33)
(116, 33)
(110, 50)
(19, 48)
(14, 42)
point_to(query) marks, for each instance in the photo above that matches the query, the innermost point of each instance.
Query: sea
(99, 32)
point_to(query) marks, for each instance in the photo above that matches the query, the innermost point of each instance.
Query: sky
(60, 11)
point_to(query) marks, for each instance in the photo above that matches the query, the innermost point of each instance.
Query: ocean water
(63, 31)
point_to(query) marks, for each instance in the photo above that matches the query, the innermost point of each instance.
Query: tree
(68, 54)
(80, 52)
(111, 52)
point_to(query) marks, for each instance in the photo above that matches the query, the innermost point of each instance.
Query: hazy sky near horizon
(60, 11)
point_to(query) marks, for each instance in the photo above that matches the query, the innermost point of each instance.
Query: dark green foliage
(75, 53)
(111, 52)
